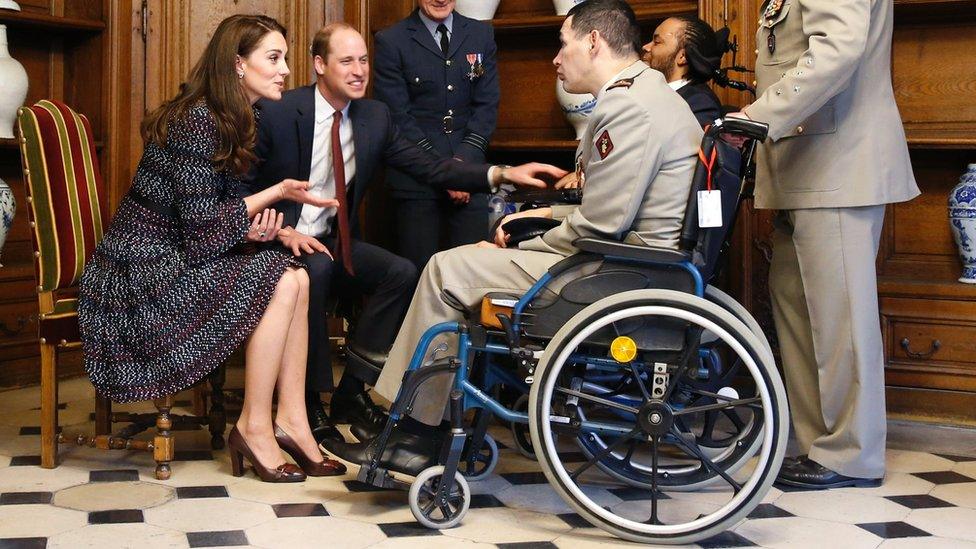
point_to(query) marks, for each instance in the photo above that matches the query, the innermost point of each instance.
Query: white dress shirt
(315, 221)
(678, 84)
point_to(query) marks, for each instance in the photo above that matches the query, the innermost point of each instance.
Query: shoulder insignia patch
(622, 83)
(604, 145)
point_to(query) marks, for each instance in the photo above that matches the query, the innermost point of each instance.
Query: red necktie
(343, 251)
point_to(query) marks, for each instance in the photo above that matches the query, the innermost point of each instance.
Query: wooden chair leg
(49, 405)
(163, 444)
(217, 415)
(199, 393)
(103, 415)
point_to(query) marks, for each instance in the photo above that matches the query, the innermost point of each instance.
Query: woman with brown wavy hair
(173, 289)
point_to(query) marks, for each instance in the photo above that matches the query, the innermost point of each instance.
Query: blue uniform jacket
(422, 88)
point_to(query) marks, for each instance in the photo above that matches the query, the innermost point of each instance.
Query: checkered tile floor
(110, 499)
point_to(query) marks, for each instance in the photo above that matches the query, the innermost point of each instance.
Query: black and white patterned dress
(169, 293)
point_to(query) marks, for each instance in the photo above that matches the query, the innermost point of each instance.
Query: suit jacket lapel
(305, 126)
(421, 36)
(458, 35)
(360, 140)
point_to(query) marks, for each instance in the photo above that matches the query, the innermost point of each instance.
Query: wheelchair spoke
(603, 453)
(654, 444)
(728, 405)
(639, 382)
(598, 400)
(691, 450)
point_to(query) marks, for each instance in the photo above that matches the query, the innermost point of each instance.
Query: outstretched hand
(297, 191)
(528, 175)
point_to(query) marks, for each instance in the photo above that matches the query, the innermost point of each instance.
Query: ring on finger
(261, 234)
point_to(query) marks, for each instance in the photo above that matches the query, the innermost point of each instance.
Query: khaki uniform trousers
(824, 292)
(466, 273)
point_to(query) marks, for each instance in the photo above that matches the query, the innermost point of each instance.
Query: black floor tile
(525, 478)
(192, 492)
(23, 543)
(924, 501)
(29, 431)
(501, 445)
(768, 510)
(726, 539)
(20, 461)
(407, 529)
(216, 539)
(21, 498)
(288, 510)
(573, 457)
(115, 516)
(957, 459)
(944, 477)
(636, 494)
(575, 520)
(527, 545)
(114, 475)
(484, 501)
(890, 530)
(193, 455)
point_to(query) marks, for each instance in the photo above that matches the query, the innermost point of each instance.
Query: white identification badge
(709, 209)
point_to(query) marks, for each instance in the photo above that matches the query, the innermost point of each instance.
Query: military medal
(477, 69)
(771, 41)
(772, 10)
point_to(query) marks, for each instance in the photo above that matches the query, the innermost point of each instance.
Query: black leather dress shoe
(806, 473)
(322, 426)
(365, 417)
(405, 453)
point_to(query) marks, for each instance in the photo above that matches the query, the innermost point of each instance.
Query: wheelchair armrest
(547, 196)
(631, 251)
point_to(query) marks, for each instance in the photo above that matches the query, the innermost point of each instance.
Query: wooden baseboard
(931, 405)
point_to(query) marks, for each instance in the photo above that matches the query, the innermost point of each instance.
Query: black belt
(151, 205)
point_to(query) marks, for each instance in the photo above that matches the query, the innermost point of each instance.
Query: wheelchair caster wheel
(429, 509)
(520, 432)
(478, 466)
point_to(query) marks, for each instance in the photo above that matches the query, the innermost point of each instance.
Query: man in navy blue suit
(673, 51)
(436, 71)
(298, 137)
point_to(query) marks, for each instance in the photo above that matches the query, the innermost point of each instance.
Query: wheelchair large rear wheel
(658, 430)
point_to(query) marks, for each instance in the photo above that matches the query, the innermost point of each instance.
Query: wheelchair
(665, 383)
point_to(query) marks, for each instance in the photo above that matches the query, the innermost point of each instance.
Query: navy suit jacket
(703, 102)
(422, 86)
(285, 130)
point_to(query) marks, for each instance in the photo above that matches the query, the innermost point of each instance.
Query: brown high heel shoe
(238, 449)
(325, 468)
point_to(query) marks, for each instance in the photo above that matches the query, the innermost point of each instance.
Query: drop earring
(240, 74)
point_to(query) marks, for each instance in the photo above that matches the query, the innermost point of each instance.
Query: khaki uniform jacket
(639, 154)
(835, 135)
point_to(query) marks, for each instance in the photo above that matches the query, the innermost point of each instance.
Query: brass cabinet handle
(935, 346)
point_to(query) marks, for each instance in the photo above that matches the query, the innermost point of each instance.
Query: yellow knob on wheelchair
(623, 349)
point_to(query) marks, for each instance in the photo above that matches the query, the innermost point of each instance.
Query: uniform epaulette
(622, 83)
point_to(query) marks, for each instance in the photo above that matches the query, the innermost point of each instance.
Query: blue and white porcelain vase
(7, 210)
(482, 10)
(962, 219)
(576, 107)
(563, 6)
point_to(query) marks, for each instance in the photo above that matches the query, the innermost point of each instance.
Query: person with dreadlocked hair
(688, 52)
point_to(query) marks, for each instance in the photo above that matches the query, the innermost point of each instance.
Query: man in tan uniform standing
(638, 155)
(836, 155)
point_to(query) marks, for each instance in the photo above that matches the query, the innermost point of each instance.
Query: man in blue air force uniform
(436, 71)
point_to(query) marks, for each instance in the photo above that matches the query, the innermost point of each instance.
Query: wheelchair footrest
(380, 478)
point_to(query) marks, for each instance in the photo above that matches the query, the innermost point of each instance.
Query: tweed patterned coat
(169, 293)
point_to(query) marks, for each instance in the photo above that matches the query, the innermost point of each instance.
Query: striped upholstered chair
(67, 215)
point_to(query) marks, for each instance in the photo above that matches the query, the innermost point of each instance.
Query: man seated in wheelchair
(638, 157)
